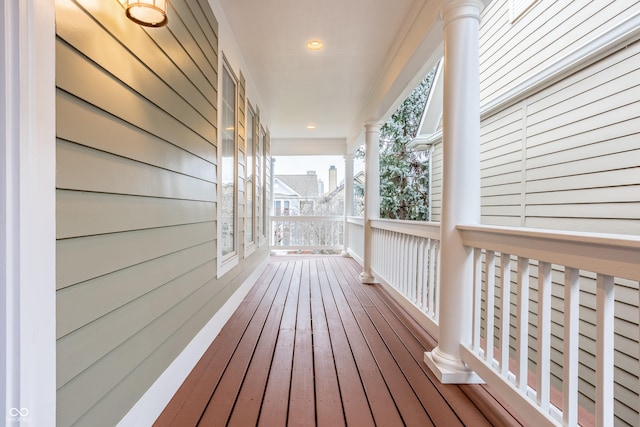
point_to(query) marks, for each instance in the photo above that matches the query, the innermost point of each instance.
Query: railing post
(372, 194)
(461, 187)
(348, 201)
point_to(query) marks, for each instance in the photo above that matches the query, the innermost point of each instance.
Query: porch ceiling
(375, 52)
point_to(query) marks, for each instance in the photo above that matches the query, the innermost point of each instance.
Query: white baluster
(490, 281)
(477, 299)
(544, 336)
(571, 329)
(437, 284)
(605, 307)
(432, 279)
(522, 339)
(505, 273)
(422, 265)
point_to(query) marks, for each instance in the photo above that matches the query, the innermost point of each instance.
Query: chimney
(333, 178)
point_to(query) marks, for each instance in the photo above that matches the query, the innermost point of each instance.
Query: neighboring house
(306, 185)
(298, 195)
(334, 202)
(560, 149)
(286, 201)
(301, 190)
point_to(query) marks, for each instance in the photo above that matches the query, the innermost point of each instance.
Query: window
(306, 207)
(260, 212)
(517, 8)
(251, 163)
(229, 161)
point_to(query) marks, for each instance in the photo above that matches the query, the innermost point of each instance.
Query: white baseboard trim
(153, 402)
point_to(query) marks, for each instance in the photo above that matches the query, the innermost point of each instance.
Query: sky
(294, 165)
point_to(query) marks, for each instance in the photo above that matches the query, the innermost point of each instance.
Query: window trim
(230, 260)
(265, 208)
(250, 245)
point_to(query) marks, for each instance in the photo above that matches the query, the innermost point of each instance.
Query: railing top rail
(611, 254)
(355, 220)
(305, 218)
(429, 230)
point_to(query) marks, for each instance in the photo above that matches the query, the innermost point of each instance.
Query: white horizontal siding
(579, 170)
(436, 183)
(513, 52)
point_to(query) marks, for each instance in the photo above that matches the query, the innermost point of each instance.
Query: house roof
(282, 190)
(306, 185)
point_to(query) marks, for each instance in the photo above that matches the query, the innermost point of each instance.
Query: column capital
(457, 9)
(372, 126)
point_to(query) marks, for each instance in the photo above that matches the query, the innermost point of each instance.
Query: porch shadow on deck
(310, 345)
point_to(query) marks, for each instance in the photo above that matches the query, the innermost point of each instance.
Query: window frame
(251, 214)
(229, 260)
(266, 187)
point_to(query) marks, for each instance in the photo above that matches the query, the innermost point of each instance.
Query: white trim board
(601, 45)
(27, 213)
(153, 402)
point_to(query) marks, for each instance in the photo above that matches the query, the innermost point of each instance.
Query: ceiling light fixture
(150, 13)
(314, 45)
(311, 126)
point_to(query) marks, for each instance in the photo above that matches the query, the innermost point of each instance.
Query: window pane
(250, 162)
(228, 166)
(259, 180)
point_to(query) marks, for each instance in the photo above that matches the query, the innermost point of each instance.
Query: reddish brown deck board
(222, 402)
(464, 400)
(354, 398)
(275, 404)
(195, 400)
(302, 411)
(409, 406)
(381, 402)
(310, 345)
(329, 412)
(409, 354)
(226, 341)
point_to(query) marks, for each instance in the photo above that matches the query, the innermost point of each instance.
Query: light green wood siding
(136, 200)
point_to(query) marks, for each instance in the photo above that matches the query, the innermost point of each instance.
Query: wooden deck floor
(310, 345)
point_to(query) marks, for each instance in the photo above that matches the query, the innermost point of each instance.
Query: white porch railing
(311, 233)
(501, 253)
(515, 345)
(355, 243)
(405, 257)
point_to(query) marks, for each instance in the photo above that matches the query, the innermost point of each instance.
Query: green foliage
(404, 173)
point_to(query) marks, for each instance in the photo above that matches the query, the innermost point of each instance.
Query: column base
(449, 370)
(345, 254)
(367, 278)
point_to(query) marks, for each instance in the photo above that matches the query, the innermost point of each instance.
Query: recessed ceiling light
(311, 126)
(314, 45)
